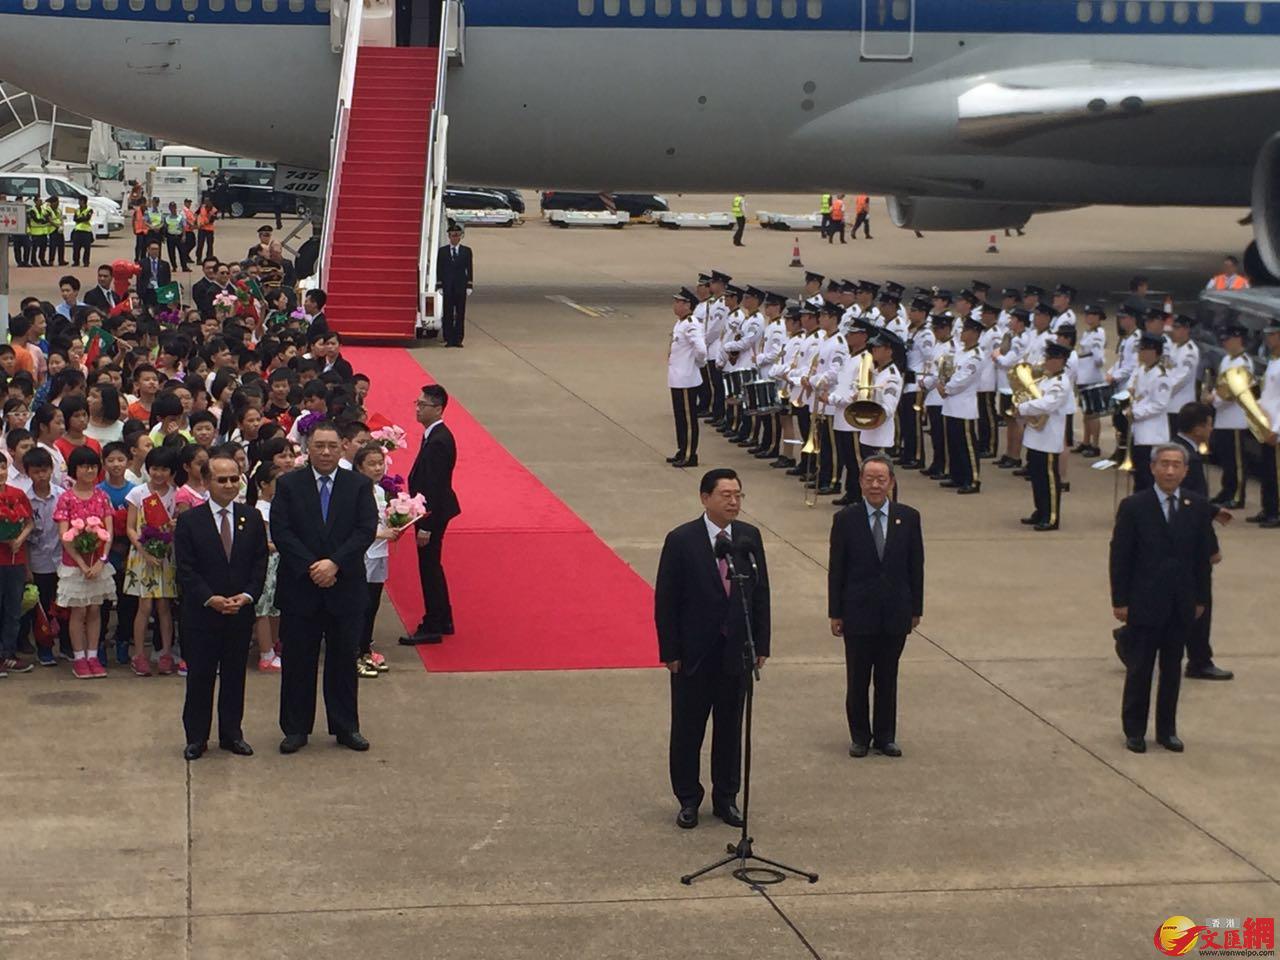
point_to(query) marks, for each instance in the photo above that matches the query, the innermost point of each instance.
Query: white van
(24, 185)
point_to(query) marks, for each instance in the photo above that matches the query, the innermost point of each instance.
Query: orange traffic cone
(795, 255)
(991, 245)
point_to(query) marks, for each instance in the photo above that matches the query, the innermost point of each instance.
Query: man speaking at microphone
(702, 632)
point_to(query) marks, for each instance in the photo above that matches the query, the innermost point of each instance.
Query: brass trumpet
(1026, 386)
(801, 399)
(864, 413)
(1236, 384)
(813, 447)
(918, 406)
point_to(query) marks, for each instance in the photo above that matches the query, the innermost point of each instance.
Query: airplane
(966, 114)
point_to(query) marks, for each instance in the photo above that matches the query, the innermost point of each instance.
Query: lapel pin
(897, 521)
(1186, 502)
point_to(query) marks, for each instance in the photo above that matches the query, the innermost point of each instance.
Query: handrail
(338, 140)
(435, 175)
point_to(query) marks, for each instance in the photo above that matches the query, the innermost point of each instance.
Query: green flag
(255, 288)
(167, 294)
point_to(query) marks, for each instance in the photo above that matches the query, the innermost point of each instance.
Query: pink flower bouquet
(86, 537)
(404, 510)
(389, 438)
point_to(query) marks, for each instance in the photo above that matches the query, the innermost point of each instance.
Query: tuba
(1236, 384)
(863, 413)
(1025, 383)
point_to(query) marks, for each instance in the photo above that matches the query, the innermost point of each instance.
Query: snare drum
(1098, 399)
(761, 397)
(734, 380)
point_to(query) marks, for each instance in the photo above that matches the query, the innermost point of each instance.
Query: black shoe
(353, 741)
(447, 630)
(1136, 744)
(889, 749)
(764, 455)
(193, 751)
(1022, 472)
(1031, 521)
(673, 458)
(1041, 527)
(950, 484)
(682, 462)
(1171, 743)
(1010, 465)
(1256, 518)
(1233, 505)
(715, 424)
(419, 639)
(1217, 501)
(858, 750)
(729, 813)
(911, 464)
(1270, 523)
(842, 501)
(828, 490)
(970, 488)
(796, 471)
(687, 818)
(1064, 488)
(238, 747)
(783, 463)
(933, 474)
(293, 743)
(1208, 672)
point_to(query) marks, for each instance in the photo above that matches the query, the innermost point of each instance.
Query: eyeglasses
(732, 497)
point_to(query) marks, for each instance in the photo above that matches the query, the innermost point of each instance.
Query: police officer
(82, 234)
(686, 358)
(960, 411)
(155, 222)
(785, 426)
(712, 313)
(1044, 436)
(798, 386)
(772, 341)
(727, 423)
(57, 240)
(173, 237)
(739, 218)
(740, 350)
(824, 209)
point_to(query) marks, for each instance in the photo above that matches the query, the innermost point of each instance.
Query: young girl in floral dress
(371, 460)
(151, 578)
(262, 488)
(193, 493)
(83, 583)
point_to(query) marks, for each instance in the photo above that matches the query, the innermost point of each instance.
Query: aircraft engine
(936, 213)
(1262, 259)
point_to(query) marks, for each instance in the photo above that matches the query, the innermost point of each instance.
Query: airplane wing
(1006, 105)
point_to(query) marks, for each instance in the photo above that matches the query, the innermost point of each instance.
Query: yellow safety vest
(34, 221)
(737, 207)
(824, 205)
(84, 220)
(173, 225)
(155, 219)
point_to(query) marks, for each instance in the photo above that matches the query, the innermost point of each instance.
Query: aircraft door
(888, 29)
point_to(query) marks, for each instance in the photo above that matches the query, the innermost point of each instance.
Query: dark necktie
(1172, 503)
(877, 531)
(225, 531)
(723, 562)
(325, 492)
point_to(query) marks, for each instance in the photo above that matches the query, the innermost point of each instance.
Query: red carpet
(532, 586)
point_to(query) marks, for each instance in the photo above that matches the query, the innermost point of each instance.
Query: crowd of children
(108, 419)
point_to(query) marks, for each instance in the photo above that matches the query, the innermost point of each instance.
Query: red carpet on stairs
(532, 586)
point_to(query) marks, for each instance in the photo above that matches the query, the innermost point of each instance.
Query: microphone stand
(743, 851)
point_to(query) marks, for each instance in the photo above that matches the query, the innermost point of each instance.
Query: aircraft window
(244, 6)
(217, 6)
(662, 7)
(83, 4)
(636, 7)
(322, 6)
(1084, 11)
(1181, 12)
(738, 8)
(813, 9)
(112, 4)
(28, 4)
(789, 9)
(764, 9)
(164, 4)
(1253, 13)
(1109, 10)
(1204, 12)
(586, 7)
(137, 5)
(1132, 11)
(1155, 11)
(57, 4)
(688, 8)
(268, 6)
(902, 9)
(611, 7)
(715, 8)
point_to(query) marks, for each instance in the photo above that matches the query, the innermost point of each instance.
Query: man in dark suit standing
(103, 296)
(455, 277)
(207, 287)
(323, 519)
(221, 552)
(432, 476)
(875, 597)
(1160, 561)
(155, 274)
(1194, 426)
(701, 639)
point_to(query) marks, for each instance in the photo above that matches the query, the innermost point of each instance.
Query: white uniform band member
(1149, 399)
(960, 411)
(1230, 424)
(685, 360)
(1043, 438)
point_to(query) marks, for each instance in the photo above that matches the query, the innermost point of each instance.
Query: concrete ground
(529, 815)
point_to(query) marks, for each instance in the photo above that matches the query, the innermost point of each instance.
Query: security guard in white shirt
(1063, 295)
(917, 343)
(938, 354)
(960, 411)
(833, 353)
(1269, 518)
(1229, 425)
(1044, 438)
(1183, 366)
(988, 416)
(1149, 399)
(1091, 354)
(685, 360)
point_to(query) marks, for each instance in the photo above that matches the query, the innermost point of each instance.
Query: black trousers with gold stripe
(1228, 453)
(910, 430)
(848, 459)
(962, 451)
(1046, 485)
(828, 463)
(988, 424)
(937, 440)
(1270, 482)
(684, 406)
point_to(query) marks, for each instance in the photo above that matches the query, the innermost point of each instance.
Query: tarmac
(529, 815)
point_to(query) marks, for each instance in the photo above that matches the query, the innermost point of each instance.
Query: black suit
(876, 599)
(455, 275)
(704, 628)
(432, 476)
(310, 614)
(162, 276)
(1160, 571)
(202, 293)
(1199, 649)
(342, 367)
(214, 643)
(106, 302)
